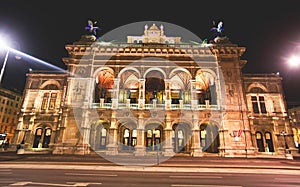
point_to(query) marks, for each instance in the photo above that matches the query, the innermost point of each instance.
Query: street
(85, 177)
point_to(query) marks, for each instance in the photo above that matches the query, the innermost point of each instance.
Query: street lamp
(283, 133)
(3, 44)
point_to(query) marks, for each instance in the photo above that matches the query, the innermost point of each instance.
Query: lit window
(52, 101)
(45, 102)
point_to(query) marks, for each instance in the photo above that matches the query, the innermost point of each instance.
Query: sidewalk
(175, 162)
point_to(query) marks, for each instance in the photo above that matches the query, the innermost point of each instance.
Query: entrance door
(37, 137)
(47, 137)
(153, 139)
(129, 139)
(209, 138)
(180, 138)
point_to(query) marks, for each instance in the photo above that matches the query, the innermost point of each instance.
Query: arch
(42, 136)
(209, 137)
(259, 141)
(128, 136)
(269, 142)
(206, 86)
(99, 134)
(155, 69)
(258, 85)
(154, 86)
(129, 68)
(51, 82)
(129, 86)
(104, 82)
(172, 73)
(153, 136)
(181, 137)
(101, 69)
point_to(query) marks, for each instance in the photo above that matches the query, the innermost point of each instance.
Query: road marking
(5, 170)
(195, 176)
(5, 173)
(92, 174)
(81, 184)
(199, 185)
(287, 180)
(20, 183)
(49, 184)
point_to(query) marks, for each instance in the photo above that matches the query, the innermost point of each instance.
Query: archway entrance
(103, 86)
(153, 136)
(42, 137)
(181, 138)
(209, 138)
(128, 136)
(154, 87)
(99, 135)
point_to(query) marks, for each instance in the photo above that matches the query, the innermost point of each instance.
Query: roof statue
(219, 37)
(218, 29)
(91, 27)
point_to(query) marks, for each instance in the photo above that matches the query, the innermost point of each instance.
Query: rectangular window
(45, 101)
(255, 104)
(52, 101)
(262, 105)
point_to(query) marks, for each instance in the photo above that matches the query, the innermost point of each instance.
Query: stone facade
(155, 94)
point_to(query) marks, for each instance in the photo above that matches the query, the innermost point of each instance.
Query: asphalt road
(74, 177)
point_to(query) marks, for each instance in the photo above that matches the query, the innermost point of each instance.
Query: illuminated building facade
(294, 115)
(155, 93)
(10, 105)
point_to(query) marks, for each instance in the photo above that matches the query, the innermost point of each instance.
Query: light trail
(24, 55)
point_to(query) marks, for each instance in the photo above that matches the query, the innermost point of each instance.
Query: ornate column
(196, 147)
(112, 147)
(168, 99)
(115, 95)
(167, 144)
(140, 149)
(194, 102)
(83, 145)
(141, 94)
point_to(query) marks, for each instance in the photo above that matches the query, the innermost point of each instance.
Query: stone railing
(156, 106)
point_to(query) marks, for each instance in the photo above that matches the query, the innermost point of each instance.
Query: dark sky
(270, 31)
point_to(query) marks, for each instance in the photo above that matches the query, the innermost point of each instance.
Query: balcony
(154, 106)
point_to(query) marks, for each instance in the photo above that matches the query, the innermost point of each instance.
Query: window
(254, 104)
(262, 105)
(48, 101)
(52, 101)
(45, 101)
(258, 104)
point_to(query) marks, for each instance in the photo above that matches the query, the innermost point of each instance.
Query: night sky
(270, 31)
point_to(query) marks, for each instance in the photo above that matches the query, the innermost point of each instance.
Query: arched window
(103, 138)
(153, 139)
(260, 142)
(42, 138)
(209, 138)
(269, 142)
(129, 139)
